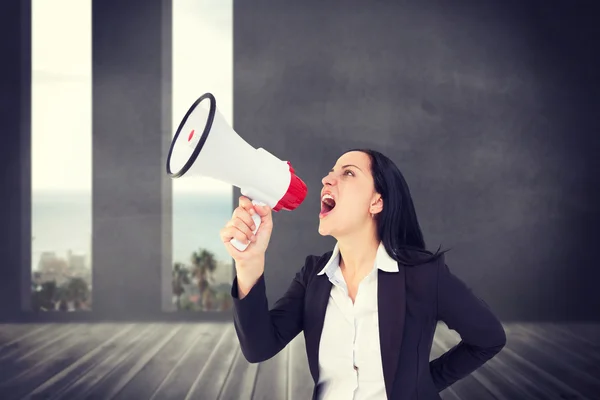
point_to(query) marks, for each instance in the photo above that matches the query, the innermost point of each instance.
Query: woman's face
(348, 197)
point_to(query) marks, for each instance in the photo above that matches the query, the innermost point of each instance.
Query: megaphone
(205, 145)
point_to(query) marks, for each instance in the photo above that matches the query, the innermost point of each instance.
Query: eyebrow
(348, 165)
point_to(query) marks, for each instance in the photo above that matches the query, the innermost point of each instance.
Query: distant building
(53, 268)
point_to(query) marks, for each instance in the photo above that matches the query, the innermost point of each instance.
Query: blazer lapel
(391, 301)
(316, 306)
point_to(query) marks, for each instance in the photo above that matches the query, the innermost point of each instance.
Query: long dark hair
(397, 224)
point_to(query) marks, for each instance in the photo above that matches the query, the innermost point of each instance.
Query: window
(61, 136)
(202, 270)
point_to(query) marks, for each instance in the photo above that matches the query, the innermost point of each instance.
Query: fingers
(245, 203)
(245, 216)
(247, 228)
(263, 211)
(241, 225)
(232, 232)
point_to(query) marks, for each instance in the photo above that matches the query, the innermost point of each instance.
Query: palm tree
(203, 265)
(45, 296)
(181, 276)
(77, 291)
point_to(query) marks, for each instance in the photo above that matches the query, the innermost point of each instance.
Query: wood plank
(559, 361)
(509, 383)
(552, 387)
(515, 379)
(144, 382)
(537, 381)
(29, 344)
(11, 333)
(572, 336)
(215, 370)
(120, 376)
(117, 374)
(32, 351)
(47, 363)
(64, 378)
(101, 367)
(203, 360)
(180, 379)
(241, 381)
(588, 332)
(272, 378)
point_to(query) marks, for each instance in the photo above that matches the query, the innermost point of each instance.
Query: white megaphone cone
(205, 145)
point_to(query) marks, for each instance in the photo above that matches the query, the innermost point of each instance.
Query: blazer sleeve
(482, 334)
(262, 332)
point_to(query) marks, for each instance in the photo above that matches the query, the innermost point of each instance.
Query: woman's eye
(348, 172)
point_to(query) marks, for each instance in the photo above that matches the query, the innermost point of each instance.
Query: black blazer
(410, 304)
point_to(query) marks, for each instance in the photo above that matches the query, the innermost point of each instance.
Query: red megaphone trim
(295, 194)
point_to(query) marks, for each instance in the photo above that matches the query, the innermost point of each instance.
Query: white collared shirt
(350, 365)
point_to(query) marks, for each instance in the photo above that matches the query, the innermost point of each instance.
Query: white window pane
(61, 146)
(202, 62)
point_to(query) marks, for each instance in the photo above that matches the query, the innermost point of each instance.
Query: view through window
(61, 146)
(202, 62)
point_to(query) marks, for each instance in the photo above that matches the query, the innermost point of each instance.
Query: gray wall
(131, 126)
(486, 109)
(15, 156)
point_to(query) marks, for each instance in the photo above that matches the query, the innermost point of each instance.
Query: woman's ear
(376, 205)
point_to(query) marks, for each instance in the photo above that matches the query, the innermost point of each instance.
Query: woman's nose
(328, 179)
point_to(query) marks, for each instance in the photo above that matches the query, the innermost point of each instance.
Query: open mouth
(327, 205)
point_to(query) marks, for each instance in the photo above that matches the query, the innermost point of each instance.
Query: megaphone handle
(256, 218)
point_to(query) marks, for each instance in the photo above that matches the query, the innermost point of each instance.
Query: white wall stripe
(61, 128)
(202, 62)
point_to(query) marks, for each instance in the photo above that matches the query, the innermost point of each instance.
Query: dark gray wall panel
(131, 192)
(487, 108)
(15, 157)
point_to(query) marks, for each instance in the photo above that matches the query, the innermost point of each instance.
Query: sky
(62, 91)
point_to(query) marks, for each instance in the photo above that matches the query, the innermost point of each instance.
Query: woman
(369, 307)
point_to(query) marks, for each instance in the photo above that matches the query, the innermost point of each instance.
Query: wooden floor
(203, 361)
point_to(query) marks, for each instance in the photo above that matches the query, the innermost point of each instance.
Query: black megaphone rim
(200, 144)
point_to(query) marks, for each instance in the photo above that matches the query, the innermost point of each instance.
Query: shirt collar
(383, 261)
